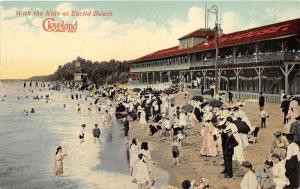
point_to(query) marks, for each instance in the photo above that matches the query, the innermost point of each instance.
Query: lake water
(28, 143)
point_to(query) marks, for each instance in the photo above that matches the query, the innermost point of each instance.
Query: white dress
(238, 150)
(133, 154)
(141, 173)
(279, 177)
(182, 119)
(143, 118)
(249, 181)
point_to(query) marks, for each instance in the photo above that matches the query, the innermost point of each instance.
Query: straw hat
(277, 133)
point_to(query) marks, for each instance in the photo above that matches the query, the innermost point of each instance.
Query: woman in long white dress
(58, 167)
(133, 156)
(141, 173)
(278, 171)
(238, 150)
(182, 119)
(147, 158)
(143, 120)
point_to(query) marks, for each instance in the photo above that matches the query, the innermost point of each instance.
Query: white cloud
(63, 7)
(283, 14)
(97, 39)
(231, 22)
(195, 20)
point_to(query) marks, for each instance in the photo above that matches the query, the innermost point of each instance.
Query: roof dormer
(196, 37)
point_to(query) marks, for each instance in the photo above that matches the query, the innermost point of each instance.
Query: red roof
(290, 27)
(200, 33)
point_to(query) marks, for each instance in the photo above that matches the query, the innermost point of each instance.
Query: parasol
(214, 102)
(198, 98)
(187, 107)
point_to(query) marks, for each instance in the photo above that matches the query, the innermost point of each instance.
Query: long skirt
(58, 168)
(238, 150)
(209, 147)
(292, 171)
(244, 138)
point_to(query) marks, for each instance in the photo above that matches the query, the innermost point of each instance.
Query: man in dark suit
(202, 90)
(285, 105)
(228, 153)
(261, 101)
(230, 95)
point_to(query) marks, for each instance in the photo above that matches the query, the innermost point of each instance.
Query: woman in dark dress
(292, 164)
(126, 129)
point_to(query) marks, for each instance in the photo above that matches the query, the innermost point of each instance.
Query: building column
(169, 75)
(160, 77)
(259, 70)
(237, 73)
(219, 78)
(141, 77)
(256, 52)
(204, 72)
(286, 73)
(153, 77)
(147, 77)
(180, 77)
(234, 55)
(191, 74)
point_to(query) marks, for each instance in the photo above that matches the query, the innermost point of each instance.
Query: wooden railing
(264, 57)
(272, 98)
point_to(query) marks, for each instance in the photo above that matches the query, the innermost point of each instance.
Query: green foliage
(98, 72)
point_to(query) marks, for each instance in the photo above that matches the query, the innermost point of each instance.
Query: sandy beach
(194, 166)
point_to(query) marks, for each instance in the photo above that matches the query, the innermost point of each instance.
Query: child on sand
(96, 134)
(263, 115)
(175, 152)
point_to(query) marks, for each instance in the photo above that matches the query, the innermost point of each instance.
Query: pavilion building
(265, 59)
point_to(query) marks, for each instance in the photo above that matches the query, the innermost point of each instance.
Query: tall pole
(214, 10)
(216, 62)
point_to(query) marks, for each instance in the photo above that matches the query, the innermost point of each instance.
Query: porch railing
(271, 98)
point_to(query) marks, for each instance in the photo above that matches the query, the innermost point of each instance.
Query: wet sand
(194, 166)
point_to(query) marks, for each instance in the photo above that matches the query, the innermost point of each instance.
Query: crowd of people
(225, 131)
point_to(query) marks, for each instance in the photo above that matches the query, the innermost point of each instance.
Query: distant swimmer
(32, 110)
(90, 107)
(24, 84)
(72, 97)
(26, 112)
(18, 98)
(65, 105)
(30, 84)
(78, 108)
(2, 100)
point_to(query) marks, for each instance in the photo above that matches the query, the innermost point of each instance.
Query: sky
(134, 29)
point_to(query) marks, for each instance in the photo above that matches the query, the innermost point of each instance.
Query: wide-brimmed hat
(277, 133)
(222, 121)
